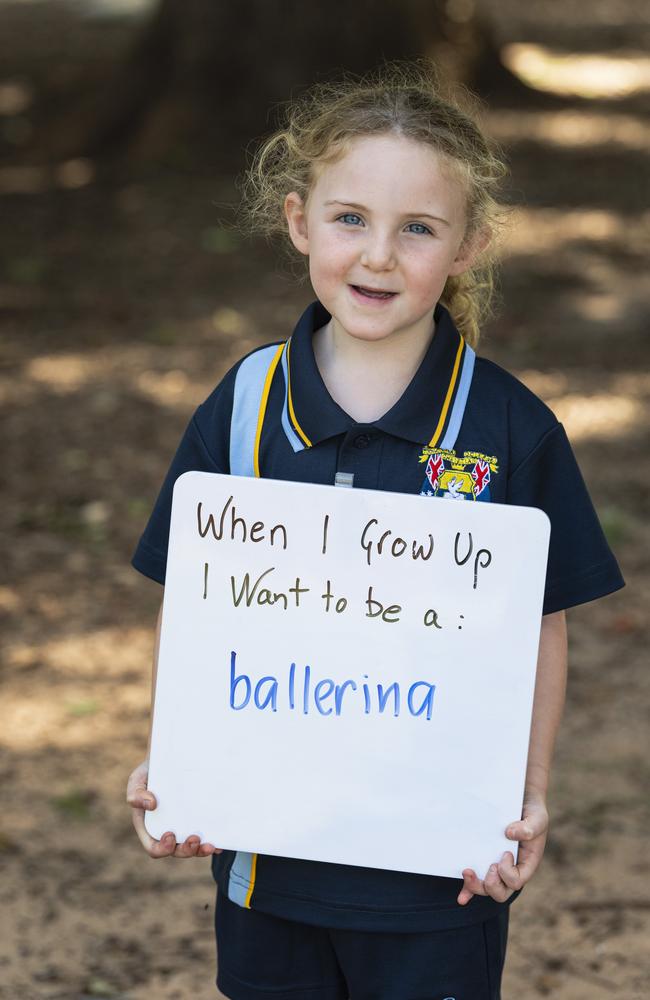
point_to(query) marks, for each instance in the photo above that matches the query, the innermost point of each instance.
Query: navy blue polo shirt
(510, 448)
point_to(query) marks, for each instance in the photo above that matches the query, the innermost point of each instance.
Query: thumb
(146, 799)
(137, 793)
(140, 797)
(531, 826)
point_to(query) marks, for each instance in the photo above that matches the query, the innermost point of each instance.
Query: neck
(366, 378)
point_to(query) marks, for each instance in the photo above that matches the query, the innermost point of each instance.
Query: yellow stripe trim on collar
(251, 884)
(262, 411)
(450, 391)
(292, 414)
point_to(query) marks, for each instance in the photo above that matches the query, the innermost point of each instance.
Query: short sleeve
(150, 557)
(581, 565)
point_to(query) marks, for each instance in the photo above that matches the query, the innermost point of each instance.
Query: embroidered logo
(457, 477)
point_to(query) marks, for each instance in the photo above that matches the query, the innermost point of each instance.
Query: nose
(378, 252)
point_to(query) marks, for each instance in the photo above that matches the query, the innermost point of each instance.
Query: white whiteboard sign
(346, 675)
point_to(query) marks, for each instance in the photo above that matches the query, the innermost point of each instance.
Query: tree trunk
(204, 73)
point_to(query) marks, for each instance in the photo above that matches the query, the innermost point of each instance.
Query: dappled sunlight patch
(600, 307)
(633, 383)
(229, 321)
(111, 372)
(50, 606)
(593, 416)
(68, 175)
(9, 599)
(601, 416)
(540, 231)
(598, 74)
(104, 653)
(28, 723)
(571, 128)
(31, 722)
(163, 387)
(76, 173)
(16, 96)
(545, 384)
(64, 373)
(24, 180)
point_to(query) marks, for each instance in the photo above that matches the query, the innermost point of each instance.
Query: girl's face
(383, 227)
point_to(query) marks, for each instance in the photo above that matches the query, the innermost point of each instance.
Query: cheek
(331, 255)
(424, 270)
(431, 266)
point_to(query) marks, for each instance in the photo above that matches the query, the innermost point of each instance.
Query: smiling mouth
(373, 293)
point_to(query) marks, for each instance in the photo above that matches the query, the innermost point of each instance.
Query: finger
(472, 886)
(509, 872)
(464, 896)
(205, 850)
(516, 876)
(529, 859)
(163, 848)
(495, 887)
(465, 893)
(188, 848)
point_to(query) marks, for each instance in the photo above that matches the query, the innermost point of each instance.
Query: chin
(359, 332)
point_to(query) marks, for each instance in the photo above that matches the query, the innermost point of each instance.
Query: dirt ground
(124, 300)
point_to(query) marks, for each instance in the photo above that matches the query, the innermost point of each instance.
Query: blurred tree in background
(206, 71)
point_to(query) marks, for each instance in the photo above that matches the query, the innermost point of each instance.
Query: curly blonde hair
(401, 98)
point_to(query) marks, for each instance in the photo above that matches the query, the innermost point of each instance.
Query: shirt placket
(359, 456)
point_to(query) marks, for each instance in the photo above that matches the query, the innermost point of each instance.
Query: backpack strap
(250, 398)
(241, 880)
(460, 401)
(294, 432)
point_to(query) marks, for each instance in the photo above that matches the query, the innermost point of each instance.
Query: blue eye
(350, 219)
(419, 228)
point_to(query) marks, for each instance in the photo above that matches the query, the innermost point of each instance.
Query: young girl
(389, 191)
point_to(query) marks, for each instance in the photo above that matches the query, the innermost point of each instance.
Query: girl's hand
(140, 798)
(506, 877)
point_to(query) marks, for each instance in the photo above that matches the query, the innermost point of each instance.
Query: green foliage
(138, 508)
(617, 524)
(75, 804)
(100, 988)
(79, 709)
(26, 270)
(218, 239)
(163, 334)
(84, 522)
(7, 844)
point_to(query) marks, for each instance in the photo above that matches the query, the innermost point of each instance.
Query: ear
(469, 250)
(296, 215)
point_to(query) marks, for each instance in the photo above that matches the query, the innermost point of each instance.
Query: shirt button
(362, 440)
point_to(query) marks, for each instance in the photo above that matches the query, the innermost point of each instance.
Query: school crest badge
(457, 477)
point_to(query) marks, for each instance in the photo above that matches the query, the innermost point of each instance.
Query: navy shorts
(261, 956)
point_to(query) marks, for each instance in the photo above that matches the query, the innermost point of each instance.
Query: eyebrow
(409, 215)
